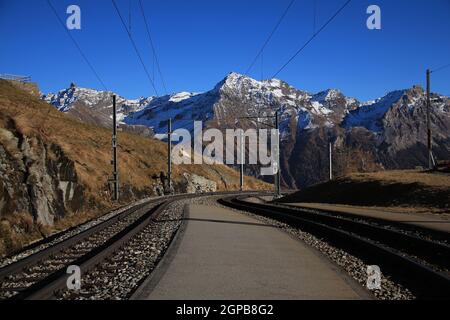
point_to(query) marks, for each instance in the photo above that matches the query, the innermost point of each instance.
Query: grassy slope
(90, 148)
(386, 189)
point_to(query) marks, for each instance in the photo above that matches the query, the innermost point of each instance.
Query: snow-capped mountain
(386, 133)
(94, 106)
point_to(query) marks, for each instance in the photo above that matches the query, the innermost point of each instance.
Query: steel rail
(395, 252)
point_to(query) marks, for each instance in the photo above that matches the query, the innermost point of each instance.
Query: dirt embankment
(411, 189)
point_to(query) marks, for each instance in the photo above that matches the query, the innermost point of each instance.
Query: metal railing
(25, 79)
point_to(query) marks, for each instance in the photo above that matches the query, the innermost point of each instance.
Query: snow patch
(370, 116)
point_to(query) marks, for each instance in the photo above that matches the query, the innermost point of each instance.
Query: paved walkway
(225, 255)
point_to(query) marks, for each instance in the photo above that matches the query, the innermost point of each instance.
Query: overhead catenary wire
(312, 38)
(314, 15)
(262, 66)
(153, 67)
(129, 15)
(134, 46)
(177, 122)
(270, 36)
(77, 46)
(440, 68)
(155, 56)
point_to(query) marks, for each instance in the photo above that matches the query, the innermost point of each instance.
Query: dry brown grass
(431, 179)
(18, 230)
(73, 219)
(399, 190)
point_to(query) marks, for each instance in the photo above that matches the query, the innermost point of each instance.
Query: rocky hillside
(95, 107)
(53, 167)
(388, 133)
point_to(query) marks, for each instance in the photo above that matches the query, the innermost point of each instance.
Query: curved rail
(413, 261)
(40, 274)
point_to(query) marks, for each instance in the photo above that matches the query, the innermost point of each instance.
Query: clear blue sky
(200, 41)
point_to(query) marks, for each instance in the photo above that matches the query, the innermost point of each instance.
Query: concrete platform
(225, 255)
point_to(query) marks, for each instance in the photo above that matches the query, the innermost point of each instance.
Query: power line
(151, 43)
(129, 16)
(134, 46)
(270, 36)
(314, 15)
(312, 38)
(153, 67)
(262, 66)
(440, 68)
(77, 45)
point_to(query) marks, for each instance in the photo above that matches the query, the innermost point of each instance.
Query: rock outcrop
(190, 183)
(37, 178)
(197, 184)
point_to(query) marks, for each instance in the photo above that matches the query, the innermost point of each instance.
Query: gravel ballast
(119, 275)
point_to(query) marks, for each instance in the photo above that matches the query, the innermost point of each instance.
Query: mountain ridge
(388, 132)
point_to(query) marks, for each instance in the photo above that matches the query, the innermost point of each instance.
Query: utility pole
(429, 137)
(331, 160)
(114, 145)
(241, 177)
(277, 177)
(169, 154)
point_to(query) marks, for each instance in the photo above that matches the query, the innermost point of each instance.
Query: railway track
(28, 277)
(420, 264)
(42, 274)
(119, 270)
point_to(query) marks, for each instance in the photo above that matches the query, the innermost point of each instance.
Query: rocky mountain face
(95, 107)
(389, 133)
(37, 177)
